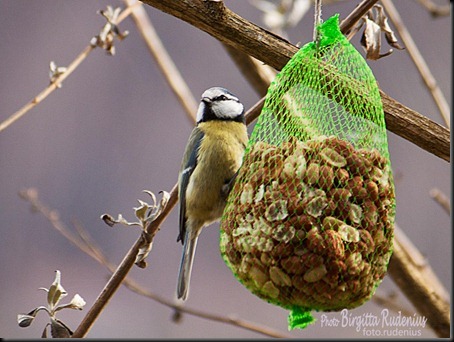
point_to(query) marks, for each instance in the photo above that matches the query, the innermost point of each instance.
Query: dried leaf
(142, 210)
(56, 291)
(55, 72)
(110, 221)
(371, 38)
(383, 22)
(156, 211)
(144, 250)
(25, 320)
(110, 30)
(59, 330)
(77, 303)
(44, 333)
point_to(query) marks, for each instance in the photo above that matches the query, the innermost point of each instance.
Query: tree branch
(163, 59)
(122, 270)
(54, 84)
(419, 61)
(228, 27)
(415, 278)
(128, 261)
(434, 9)
(347, 24)
(86, 244)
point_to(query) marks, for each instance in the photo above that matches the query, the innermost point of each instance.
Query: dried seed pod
(326, 179)
(266, 259)
(294, 167)
(315, 242)
(354, 263)
(357, 164)
(348, 233)
(283, 233)
(355, 213)
(331, 223)
(247, 194)
(316, 205)
(339, 194)
(341, 176)
(366, 245)
(277, 211)
(372, 189)
(315, 274)
(370, 212)
(293, 264)
(312, 175)
(270, 289)
(300, 284)
(334, 244)
(258, 275)
(331, 157)
(281, 250)
(279, 277)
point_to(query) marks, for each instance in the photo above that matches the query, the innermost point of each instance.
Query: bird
(210, 164)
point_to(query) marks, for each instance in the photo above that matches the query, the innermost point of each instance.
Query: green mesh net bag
(308, 224)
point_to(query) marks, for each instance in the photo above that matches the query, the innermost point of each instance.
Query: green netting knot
(299, 318)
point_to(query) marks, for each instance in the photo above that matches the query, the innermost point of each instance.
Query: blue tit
(211, 160)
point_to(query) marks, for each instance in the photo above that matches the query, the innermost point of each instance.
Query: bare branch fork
(231, 29)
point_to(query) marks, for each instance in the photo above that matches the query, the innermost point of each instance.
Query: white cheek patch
(200, 111)
(227, 109)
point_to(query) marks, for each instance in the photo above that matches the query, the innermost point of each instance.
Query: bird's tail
(184, 275)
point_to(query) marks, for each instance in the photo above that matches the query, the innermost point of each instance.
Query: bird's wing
(188, 166)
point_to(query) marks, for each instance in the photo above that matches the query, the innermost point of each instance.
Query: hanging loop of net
(309, 222)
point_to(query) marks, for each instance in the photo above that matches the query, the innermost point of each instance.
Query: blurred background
(115, 128)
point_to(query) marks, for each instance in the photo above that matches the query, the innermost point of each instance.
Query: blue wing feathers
(187, 169)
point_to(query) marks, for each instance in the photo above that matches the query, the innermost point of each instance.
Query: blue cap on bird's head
(218, 103)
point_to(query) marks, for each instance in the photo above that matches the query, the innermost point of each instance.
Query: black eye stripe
(224, 98)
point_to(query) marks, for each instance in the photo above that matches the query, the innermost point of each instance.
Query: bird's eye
(222, 98)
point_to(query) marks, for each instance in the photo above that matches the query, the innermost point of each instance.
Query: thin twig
(31, 195)
(87, 245)
(238, 322)
(419, 61)
(120, 273)
(441, 199)
(389, 302)
(55, 84)
(163, 59)
(434, 9)
(48, 90)
(414, 276)
(258, 74)
(349, 22)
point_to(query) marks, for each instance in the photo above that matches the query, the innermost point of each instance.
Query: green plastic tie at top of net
(309, 222)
